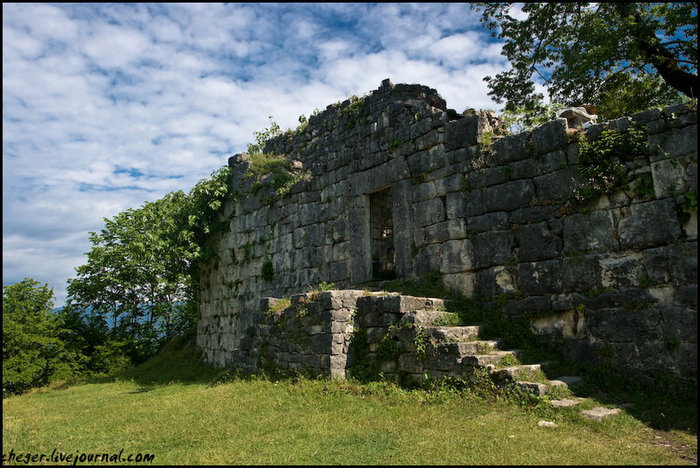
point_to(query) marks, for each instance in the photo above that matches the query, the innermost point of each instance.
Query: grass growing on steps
(662, 401)
(184, 412)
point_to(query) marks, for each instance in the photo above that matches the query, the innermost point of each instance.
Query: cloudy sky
(106, 106)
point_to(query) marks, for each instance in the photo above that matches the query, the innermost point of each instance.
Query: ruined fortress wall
(617, 277)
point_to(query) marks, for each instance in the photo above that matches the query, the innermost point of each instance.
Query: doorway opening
(382, 235)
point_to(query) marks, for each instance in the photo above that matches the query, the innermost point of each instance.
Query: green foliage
(353, 112)
(602, 162)
(464, 185)
(32, 355)
(143, 270)
(521, 119)
(420, 341)
(272, 174)
(395, 143)
(506, 170)
(643, 186)
(86, 338)
(625, 94)
(419, 178)
(485, 141)
(621, 57)
(279, 306)
(303, 123)
(449, 319)
(263, 136)
(362, 367)
(508, 360)
(388, 347)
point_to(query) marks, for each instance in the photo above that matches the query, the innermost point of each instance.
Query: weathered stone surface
(536, 242)
(493, 248)
(549, 136)
(590, 232)
(491, 221)
(564, 403)
(557, 185)
(510, 148)
(538, 278)
(429, 212)
(461, 133)
(510, 196)
(649, 224)
(599, 413)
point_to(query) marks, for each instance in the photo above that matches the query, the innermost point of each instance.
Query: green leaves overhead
(589, 53)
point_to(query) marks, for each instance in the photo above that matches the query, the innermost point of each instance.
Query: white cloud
(114, 47)
(108, 106)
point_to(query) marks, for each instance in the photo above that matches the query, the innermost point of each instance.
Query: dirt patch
(681, 448)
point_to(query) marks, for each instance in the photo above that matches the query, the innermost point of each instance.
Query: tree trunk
(658, 56)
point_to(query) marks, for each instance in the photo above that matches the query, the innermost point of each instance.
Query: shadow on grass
(661, 401)
(178, 362)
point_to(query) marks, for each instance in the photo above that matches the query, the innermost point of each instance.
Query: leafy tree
(86, 338)
(622, 57)
(32, 355)
(142, 272)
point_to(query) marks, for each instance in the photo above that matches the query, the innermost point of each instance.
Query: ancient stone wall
(397, 184)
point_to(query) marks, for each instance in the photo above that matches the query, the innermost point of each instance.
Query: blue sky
(106, 106)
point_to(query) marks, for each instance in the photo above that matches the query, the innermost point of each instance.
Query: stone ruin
(397, 185)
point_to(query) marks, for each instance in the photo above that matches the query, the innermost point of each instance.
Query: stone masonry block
(461, 133)
(429, 212)
(649, 224)
(510, 148)
(537, 242)
(493, 248)
(538, 278)
(589, 232)
(461, 204)
(488, 222)
(456, 256)
(669, 177)
(676, 143)
(557, 185)
(509, 196)
(549, 136)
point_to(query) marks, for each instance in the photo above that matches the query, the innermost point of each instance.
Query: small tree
(32, 354)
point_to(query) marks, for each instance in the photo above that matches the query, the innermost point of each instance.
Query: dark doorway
(382, 235)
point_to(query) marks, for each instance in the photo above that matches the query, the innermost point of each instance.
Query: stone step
(509, 374)
(566, 402)
(485, 360)
(599, 413)
(536, 388)
(468, 348)
(541, 388)
(569, 380)
(422, 317)
(452, 334)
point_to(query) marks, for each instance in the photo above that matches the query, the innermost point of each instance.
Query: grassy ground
(186, 413)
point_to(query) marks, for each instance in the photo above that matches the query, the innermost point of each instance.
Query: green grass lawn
(184, 413)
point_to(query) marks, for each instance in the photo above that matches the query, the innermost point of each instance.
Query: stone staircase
(454, 350)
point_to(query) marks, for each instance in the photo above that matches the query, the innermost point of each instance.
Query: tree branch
(660, 58)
